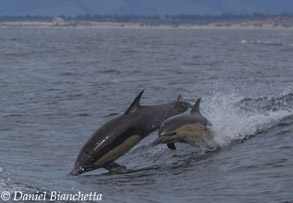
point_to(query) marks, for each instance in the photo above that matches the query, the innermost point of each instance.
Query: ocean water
(59, 85)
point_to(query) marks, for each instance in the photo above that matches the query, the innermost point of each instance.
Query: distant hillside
(142, 7)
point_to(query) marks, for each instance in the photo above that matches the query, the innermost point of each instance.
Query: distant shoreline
(130, 25)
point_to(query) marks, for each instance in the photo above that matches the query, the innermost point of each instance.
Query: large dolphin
(120, 134)
(187, 128)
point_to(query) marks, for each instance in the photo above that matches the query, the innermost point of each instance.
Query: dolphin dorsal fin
(195, 108)
(179, 98)
(135, 104)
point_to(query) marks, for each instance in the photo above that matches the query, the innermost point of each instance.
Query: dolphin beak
(159, 140)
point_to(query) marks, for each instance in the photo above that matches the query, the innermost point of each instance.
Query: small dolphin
(120, 134)
(187, 128)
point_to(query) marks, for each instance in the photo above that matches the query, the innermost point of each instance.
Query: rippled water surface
(59, 85)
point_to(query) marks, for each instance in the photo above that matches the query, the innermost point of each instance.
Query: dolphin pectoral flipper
(171, 146)
(115, 168)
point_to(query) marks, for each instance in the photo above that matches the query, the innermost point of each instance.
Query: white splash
(230, 122)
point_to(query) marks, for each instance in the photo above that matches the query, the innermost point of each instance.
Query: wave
(267, 43)
(16, 190)
(264, 43)
(236, 118)
(282, 102)
(8, 186)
